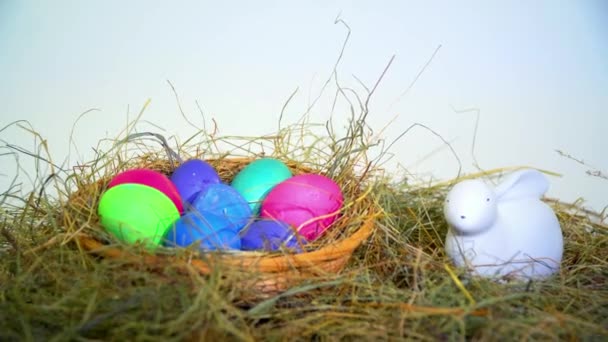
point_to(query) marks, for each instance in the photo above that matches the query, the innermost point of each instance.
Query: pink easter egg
(153, 179)
(309, 202)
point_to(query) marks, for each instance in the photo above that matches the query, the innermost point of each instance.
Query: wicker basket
(272, 272)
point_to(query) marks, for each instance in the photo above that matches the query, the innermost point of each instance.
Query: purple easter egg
(210, 231)
(269, 235)
(193, 176)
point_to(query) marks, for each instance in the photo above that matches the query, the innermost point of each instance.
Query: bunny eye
(488, 199)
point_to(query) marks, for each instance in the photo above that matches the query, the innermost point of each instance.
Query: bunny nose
(462, 217)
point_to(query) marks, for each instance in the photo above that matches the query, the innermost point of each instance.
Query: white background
(537, 70)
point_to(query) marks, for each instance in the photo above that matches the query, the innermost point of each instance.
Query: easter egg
(209, 231)
(193, 176)
(309, 202)
(136, 212)
(258, 178)
(150, 178)
(269, 235)
(223, 200)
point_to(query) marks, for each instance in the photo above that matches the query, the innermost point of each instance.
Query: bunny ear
(527, 183)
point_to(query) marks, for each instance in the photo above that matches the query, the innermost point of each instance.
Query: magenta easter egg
(152, 179)
(192, 176)
(309, 202)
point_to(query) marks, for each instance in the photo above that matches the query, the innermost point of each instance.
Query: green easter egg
(257, 179)
(137, 213)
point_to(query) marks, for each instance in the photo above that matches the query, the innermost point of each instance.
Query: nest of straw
(397, 284)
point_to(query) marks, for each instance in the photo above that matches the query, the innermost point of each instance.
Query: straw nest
(380, 274)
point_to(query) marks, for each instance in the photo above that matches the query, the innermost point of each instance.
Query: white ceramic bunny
(506, 232)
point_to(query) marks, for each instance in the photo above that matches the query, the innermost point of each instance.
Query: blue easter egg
(212, 232)
(192, 176)
(269, 235)
(224, 201)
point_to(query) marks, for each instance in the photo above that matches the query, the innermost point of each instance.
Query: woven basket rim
(264, 262)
